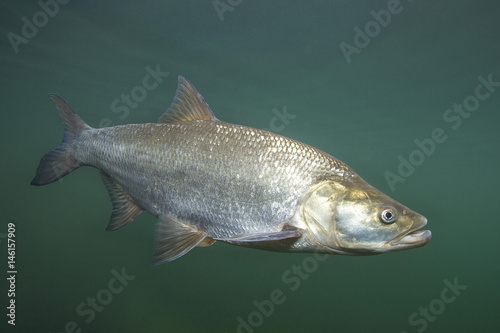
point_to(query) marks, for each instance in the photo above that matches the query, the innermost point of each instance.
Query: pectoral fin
(174, 239)
(206, 242)
(263, 237)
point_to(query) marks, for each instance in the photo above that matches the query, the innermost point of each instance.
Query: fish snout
(413, 237)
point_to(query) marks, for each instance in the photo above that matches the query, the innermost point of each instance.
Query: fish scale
(253, 176)
(207, 180)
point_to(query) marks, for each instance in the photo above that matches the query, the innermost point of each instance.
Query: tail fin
(59, 162)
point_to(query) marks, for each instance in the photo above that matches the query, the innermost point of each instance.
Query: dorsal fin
(188, 105)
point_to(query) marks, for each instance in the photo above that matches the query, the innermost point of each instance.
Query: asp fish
(207, 180)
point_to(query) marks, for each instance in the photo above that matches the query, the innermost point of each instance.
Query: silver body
(207, 180)
(227, 179)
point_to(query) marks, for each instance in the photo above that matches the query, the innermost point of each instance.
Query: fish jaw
(415, 237)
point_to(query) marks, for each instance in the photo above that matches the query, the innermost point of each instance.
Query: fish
(207, 180)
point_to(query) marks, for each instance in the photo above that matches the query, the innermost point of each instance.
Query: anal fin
(174, 239)
(124, 209)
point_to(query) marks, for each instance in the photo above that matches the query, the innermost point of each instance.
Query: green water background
(262, 56)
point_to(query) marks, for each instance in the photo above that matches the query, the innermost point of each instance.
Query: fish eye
(388, 216)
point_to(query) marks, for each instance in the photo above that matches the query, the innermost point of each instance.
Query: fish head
(352, 217)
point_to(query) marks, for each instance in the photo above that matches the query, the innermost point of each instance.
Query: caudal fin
(59, 162)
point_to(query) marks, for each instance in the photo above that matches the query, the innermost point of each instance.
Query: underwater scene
(405, 93)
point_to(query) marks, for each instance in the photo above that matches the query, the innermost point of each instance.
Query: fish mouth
(412, 238)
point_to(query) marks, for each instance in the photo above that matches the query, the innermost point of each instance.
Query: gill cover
(318, 213)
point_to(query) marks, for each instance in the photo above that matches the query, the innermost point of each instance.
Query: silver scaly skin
(207, 180)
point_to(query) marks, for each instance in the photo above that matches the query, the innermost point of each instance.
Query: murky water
(407, 93)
